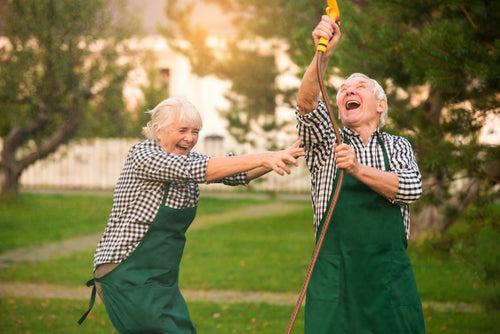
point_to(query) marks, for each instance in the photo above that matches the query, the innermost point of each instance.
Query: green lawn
(57, 316)
(269, 254)
(31, 219)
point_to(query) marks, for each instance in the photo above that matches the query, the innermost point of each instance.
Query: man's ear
(381, 105)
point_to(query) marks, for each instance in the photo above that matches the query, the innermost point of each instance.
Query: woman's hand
(296, 150)
(279, 161)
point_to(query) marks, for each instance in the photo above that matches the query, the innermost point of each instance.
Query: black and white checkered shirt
(318, 137)
(139, 193)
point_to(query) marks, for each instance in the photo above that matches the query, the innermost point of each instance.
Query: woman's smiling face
(178, 138)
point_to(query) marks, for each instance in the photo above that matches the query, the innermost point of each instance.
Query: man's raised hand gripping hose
(333, 12)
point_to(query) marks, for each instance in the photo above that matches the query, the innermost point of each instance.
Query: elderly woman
(136, 264)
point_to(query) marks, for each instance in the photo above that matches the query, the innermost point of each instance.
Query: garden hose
(319, 242)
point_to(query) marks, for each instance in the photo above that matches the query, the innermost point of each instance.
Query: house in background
(206, 93)
(97, 163)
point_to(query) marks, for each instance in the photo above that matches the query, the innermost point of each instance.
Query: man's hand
(346, 159)
(329, 30)
(382, 182)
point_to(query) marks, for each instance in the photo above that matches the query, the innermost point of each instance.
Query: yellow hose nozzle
(333, 12)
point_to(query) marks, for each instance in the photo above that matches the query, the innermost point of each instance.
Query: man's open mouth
(352, 105)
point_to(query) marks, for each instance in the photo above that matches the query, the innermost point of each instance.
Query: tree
(58, 67)
(449, 52)
(445, 52)
(252, 69)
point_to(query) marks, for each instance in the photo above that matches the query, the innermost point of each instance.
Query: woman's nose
(189, 137)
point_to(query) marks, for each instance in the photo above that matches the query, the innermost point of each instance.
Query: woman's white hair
(173, 109)
(379, 94)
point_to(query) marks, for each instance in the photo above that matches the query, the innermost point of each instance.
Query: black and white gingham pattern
(318, 137)
(139, 192)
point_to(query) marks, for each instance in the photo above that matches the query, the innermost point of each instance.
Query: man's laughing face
(358, 105)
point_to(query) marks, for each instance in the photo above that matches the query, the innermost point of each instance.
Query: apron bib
(141, 294)
(363, 281)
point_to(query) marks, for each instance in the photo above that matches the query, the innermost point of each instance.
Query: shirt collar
(350, 134)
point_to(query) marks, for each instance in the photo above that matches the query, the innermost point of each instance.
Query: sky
(152, 13)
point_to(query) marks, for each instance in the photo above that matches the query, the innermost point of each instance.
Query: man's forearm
(307, 97)
(382, 182)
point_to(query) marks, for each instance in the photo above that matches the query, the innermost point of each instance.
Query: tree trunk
(14, 159)
(435, 219)
(9, 181)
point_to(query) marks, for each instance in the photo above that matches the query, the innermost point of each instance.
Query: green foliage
(448, 47)
(250, 67)
(438, 61)
(59, 55)
(474, 240)
(59, 77)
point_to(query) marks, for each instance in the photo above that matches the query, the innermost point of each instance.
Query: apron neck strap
(381, 142)
(165, 195)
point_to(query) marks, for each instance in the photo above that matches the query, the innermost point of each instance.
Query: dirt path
(84, 243)
(31, 290)
(57, 249)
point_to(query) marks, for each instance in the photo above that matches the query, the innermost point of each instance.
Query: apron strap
(92, 300)
(165, 194)
(384, 151)
(386, 158)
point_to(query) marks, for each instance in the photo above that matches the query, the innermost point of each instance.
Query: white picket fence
(96, 164)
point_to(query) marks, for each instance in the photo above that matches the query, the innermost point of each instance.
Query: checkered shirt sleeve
(139, 193)
(318, 137)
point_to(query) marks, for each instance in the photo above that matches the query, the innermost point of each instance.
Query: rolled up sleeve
(406, 168)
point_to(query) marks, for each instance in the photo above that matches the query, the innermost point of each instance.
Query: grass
(32, 219)
(270, 254)
(29, 219)
(58, 316)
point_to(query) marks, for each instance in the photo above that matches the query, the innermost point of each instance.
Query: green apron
(363, 281)
(141, 294)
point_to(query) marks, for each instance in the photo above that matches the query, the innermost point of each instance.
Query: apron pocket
(150, 308)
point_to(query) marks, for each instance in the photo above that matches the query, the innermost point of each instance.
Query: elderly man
(363, 281)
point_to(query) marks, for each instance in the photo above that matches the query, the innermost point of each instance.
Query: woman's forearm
(221, 167)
